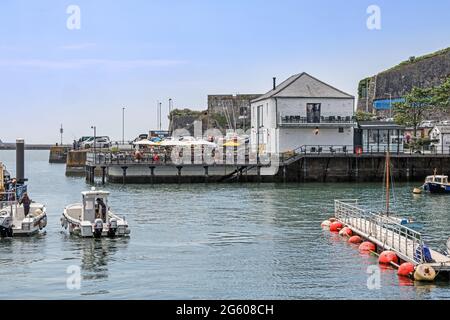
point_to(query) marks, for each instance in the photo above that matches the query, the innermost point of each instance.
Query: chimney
(20, 161)
(274, 83)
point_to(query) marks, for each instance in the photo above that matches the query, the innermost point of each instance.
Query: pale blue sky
(135, 52)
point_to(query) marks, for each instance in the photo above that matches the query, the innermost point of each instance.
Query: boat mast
(387, 182)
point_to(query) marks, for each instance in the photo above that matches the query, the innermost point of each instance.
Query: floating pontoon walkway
(388, 234)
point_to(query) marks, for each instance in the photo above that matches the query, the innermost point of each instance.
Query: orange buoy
(346, 232)
(387, 257)
(326, 224)
(336, 227)
(355, 240)
(367, 247)
(406, 269)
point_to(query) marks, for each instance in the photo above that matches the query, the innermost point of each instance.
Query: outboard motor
(6, 229)
(98, 228)
(112, 228)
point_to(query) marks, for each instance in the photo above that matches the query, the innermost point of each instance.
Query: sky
(79, 70)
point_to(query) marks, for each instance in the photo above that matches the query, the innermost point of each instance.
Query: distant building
(234, 109)
(440, 137)
(303, 112)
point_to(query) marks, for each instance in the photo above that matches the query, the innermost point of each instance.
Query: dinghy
(93, 217)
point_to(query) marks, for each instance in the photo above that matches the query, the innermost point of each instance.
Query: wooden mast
(387, 182)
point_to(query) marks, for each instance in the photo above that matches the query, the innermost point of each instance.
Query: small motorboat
(93, 217)
(13, 221)
(437, 184)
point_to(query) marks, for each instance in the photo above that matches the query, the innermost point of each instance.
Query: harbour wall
(310, 168)
(365, 168)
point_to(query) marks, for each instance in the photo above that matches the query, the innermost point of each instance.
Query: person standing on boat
(26, 202)
(103, 208)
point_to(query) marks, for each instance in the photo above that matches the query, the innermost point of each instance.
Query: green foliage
(411, 112)
(413, 60)
(363, 116)
(441, 95)
(362, 86)
(185, 113)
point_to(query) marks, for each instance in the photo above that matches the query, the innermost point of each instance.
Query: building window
(313, 112)
(341, 130)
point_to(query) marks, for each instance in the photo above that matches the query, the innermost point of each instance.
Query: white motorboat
(93, 217)
(13, 221)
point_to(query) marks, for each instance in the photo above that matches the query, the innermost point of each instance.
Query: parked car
(100, 142)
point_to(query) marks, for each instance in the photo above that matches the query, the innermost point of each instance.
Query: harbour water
(216, 241)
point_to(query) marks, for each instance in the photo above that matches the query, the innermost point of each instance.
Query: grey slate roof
(303, 85)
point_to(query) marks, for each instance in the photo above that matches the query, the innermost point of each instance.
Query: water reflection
(95, 254)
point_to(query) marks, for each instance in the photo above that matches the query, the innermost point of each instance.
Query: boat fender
(367, 247)
(355, 240)
(387, 257)
(406, 269)
(424, 272)
(336, 227)
(346, 232)
(326, 224)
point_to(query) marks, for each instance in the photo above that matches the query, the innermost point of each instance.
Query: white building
(440, 135)
(303, 112)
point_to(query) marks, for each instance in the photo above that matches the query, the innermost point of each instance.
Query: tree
(417, 103)
(441, 96)
(363, 116)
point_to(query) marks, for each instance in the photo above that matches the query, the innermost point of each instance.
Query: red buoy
(346, 232)
(406, 269)
(387, 257)
(367, 247)
(336, 227)
(326, 224)
(355, 240)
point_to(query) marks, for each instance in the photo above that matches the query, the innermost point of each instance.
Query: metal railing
(293, 120)
(148, 158)
(317, 150)
(7, 199)
(407, 243)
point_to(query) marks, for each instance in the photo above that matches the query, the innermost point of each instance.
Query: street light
(123, 125)
(390, 104)
(95, 140)
(170, 113)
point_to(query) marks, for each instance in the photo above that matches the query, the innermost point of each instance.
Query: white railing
(7, 199)
(406, 242)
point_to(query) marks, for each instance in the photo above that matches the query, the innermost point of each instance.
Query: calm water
(209, 242)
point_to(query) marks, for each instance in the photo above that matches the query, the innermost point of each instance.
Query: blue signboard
(386, 104)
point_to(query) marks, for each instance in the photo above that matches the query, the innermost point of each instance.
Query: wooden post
(206, 174)
(152, 175)
(124, 174)
(179, 174)
(103, 175)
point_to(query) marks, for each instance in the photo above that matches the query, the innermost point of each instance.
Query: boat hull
(86, 229)
(25, 227)
(437, 188)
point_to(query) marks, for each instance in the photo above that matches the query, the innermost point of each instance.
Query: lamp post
(95, 140)
(160, 106)
(390, 104)
(123, 125)
(170, 114)
(61, 131)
